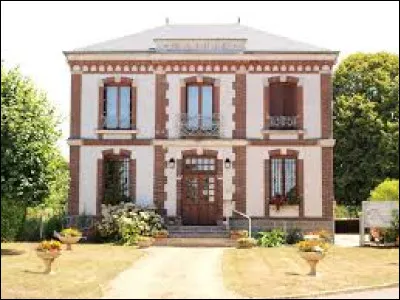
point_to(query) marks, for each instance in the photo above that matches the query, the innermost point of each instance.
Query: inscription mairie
(200, 45)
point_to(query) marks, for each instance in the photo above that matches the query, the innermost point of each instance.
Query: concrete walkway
(386, 293)
(173, 273)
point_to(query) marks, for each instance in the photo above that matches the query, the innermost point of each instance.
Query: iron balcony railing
(282, 122)
(199, 125)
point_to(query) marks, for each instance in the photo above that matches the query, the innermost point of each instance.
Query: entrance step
(195, 242)
(198, 232)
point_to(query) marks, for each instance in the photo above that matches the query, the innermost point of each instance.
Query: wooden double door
(200, 192)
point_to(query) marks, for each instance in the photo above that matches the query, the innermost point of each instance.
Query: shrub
(124, 223)
(390, 234)
(386, 190)
(12, 219)
(294, 236)
(347, 211)
(312, 245)
(273, 238)
(246, 242)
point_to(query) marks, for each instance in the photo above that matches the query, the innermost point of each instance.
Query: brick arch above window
(117, 81)
(201, 80)
(274, 81)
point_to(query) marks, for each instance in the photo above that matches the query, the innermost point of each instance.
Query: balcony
(282, 123)
(199, 125)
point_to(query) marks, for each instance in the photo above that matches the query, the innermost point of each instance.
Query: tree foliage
(30, 159)
(366, 124)
(388, 190)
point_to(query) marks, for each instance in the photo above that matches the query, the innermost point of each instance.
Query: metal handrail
(246, 216)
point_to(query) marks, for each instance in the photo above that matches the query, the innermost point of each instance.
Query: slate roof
(257, 40)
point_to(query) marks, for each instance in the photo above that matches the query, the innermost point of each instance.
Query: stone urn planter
(68, 237)
(48, 251)
(238, 234)
(246, 243)
(69, 240)
(312, 259)
(160, 235)
(312, 251)
(145, 242)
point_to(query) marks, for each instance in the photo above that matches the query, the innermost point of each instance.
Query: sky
(34, 34)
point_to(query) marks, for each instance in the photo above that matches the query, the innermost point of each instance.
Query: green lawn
(273, 272)
(81, 273)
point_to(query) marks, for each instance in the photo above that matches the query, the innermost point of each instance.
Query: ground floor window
(283, 179)
(116, 180)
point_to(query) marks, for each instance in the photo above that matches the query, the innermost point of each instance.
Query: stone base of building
(264, 224)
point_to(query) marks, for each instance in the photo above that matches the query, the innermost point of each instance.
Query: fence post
(362, 230)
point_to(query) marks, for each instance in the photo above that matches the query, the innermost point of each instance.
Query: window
(199, 106)
(200, 164)
(116, 180)
(117, 108)
(283, 107)
(283, 178)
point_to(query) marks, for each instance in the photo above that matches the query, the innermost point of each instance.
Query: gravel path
(173, 273)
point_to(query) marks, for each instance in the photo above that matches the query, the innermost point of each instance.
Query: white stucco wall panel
(89, 155)
(226, 106)
(311, 104)
(255, 196)
(145, 104)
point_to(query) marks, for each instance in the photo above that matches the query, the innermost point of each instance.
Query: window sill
(282, 131)
(117, 131)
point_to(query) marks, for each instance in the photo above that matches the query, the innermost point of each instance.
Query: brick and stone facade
(240, 140)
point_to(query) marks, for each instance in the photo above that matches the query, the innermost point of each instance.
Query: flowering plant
(312, 246)
(321, 234)
(49, 246)
(70, 232)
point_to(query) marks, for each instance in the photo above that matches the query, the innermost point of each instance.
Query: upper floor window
(117, 108)
(199, 107)
(283, 105)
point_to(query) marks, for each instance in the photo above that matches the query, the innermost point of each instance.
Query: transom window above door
(200, 164)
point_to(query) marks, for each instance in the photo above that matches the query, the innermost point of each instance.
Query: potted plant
(237, 234)
(160, 234)
(69, 236)
(312, 251)
(246, 243)
(278, 201)
(48, 251)
(144, 241)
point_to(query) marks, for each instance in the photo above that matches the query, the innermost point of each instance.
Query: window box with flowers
(285, 206)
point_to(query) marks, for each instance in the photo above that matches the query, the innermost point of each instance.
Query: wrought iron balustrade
(199, 125)
(282, 122)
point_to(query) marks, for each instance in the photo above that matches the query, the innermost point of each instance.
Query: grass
(81, 273)
(275, 272)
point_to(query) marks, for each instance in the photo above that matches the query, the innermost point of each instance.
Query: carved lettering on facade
(200, 45)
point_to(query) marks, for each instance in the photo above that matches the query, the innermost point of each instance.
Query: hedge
(12, 219)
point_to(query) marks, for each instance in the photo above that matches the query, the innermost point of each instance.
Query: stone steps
(198, 232)
(195, 242)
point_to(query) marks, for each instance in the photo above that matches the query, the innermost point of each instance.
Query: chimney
(238, 20)
(167, 21)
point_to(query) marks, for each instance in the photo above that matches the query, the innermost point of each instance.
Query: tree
(366, 124)
(30, 160)
(388, 190)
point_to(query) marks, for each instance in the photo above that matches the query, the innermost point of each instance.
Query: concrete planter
(69, 240)
(48, 258)
(312, 259)
(145, 243)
